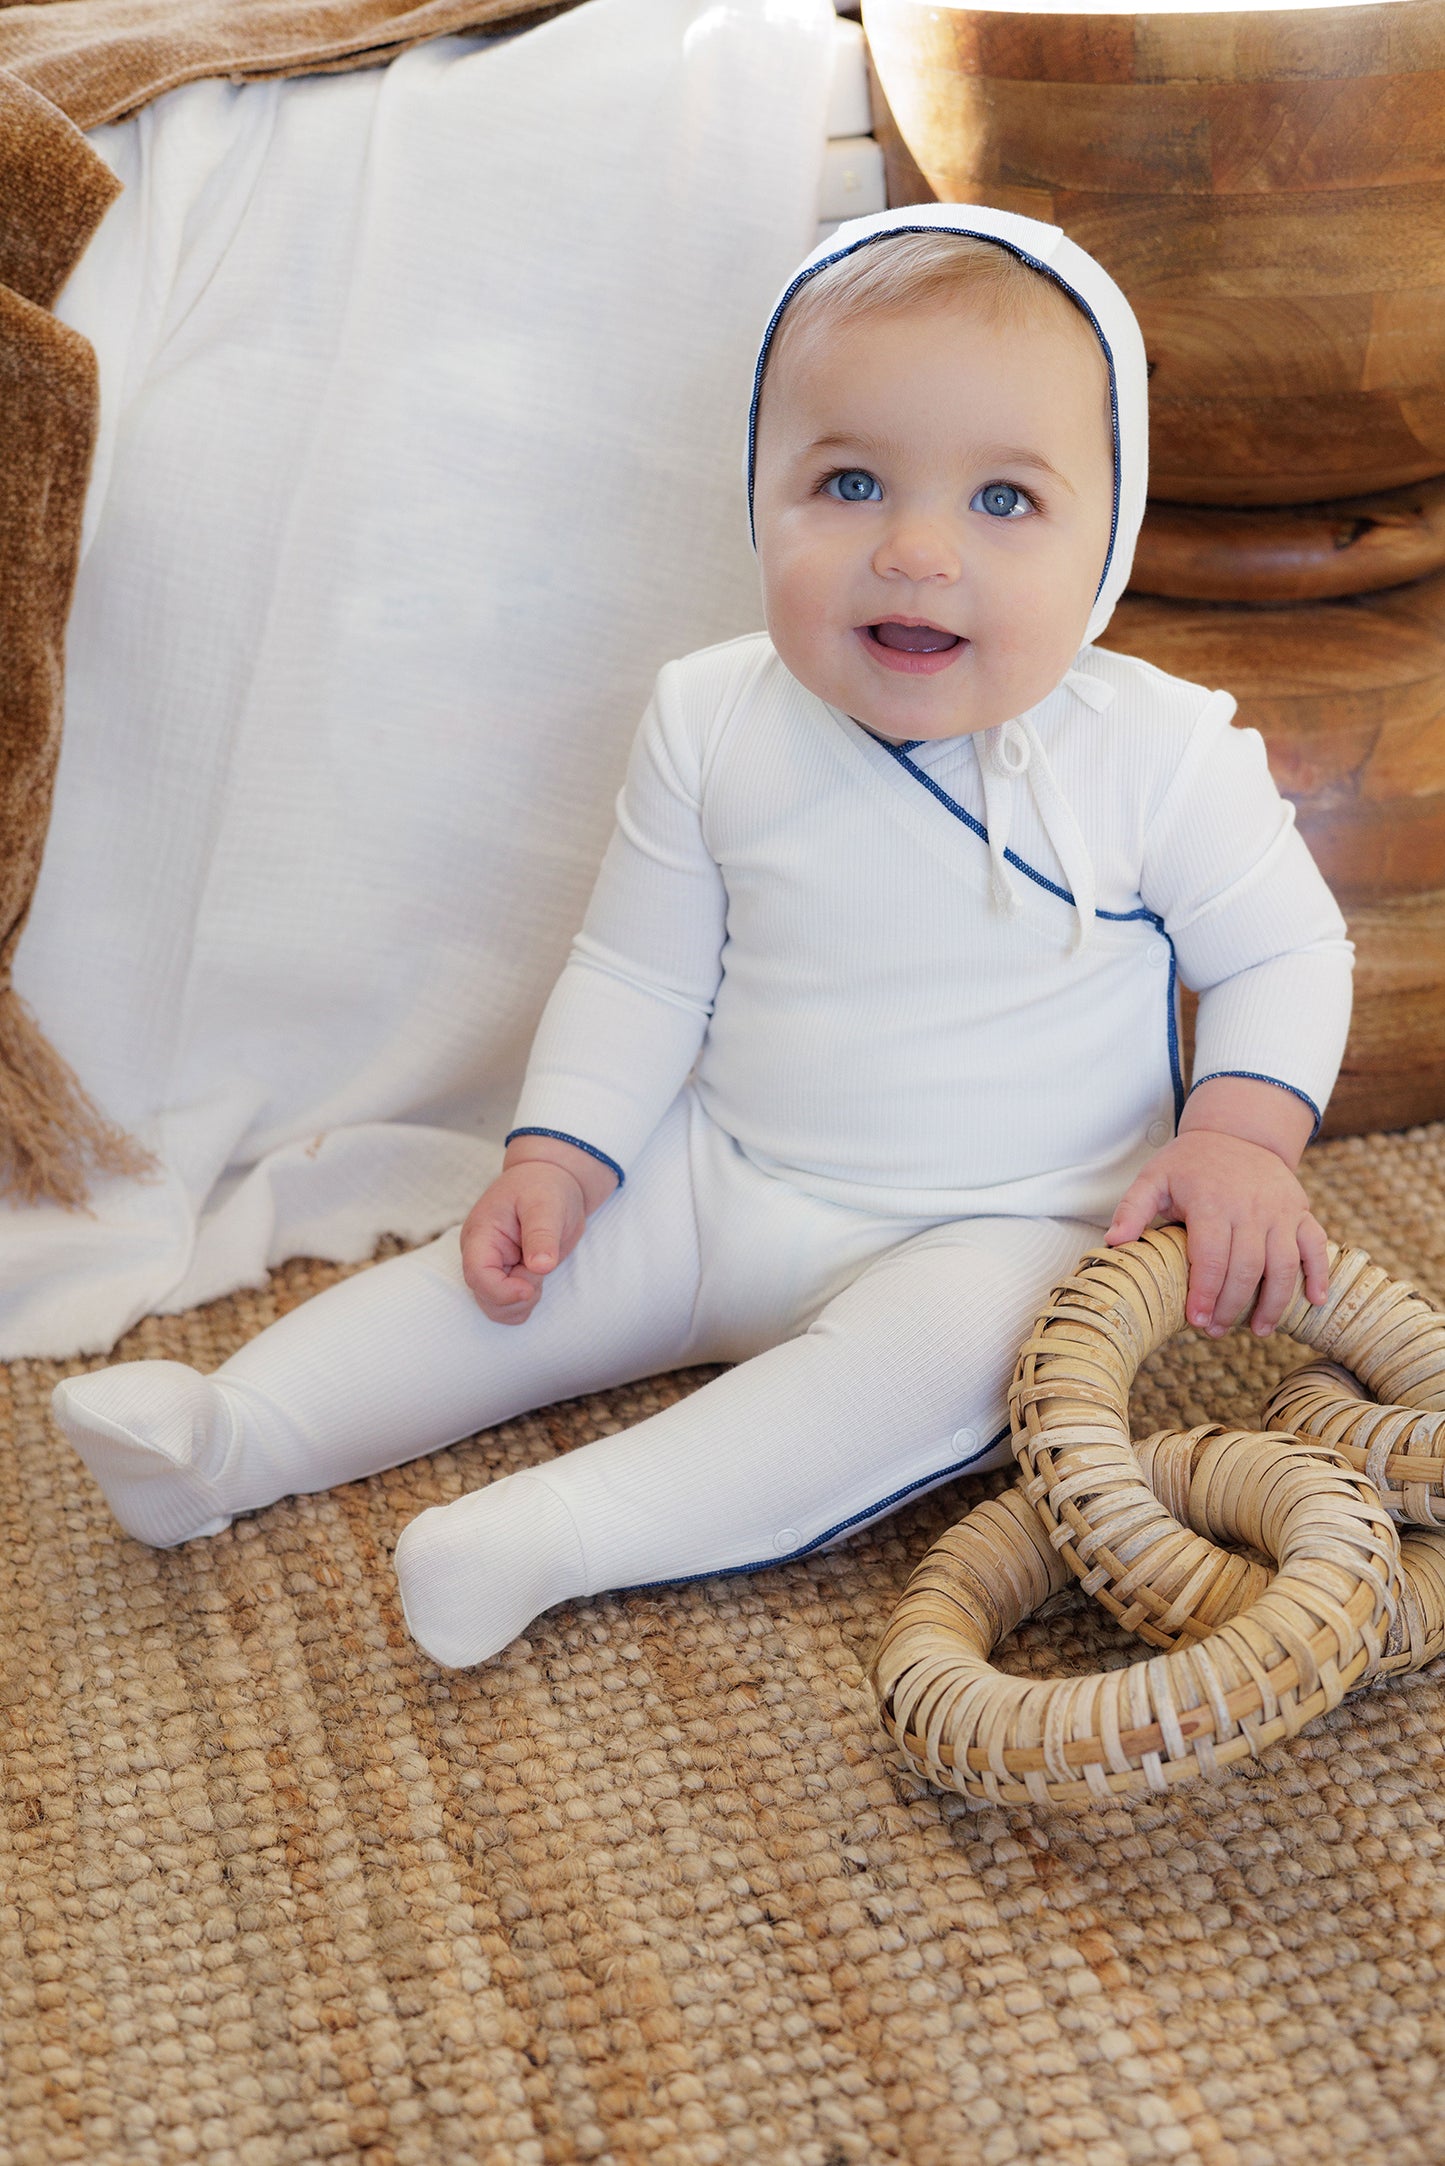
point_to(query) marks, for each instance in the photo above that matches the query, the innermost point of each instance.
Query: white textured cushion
(423, 393)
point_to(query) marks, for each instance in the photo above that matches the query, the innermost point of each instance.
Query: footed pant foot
(475, 1573)
(153, 1433)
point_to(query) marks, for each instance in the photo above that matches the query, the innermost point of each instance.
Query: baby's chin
(925, 709)
(894, 706)
(910, 721)
(907, 708)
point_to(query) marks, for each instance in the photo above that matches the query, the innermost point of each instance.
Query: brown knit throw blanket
(66, 65)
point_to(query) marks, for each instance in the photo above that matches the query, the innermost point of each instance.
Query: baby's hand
(520, 1229)
(1248, 1223)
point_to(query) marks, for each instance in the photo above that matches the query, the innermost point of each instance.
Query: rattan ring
(1320, 1626)
(1400, 1449)
(1182, 1470)
(1252, 1655)
(1070, 1410)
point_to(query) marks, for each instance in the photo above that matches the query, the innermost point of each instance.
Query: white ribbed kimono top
(809, 920)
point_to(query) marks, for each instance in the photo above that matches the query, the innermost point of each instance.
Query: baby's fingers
(1247, 1256)
(1136, 1208)
(492, 1264)
(1314, 1254)
(1281, 1276)
(506, 1292)
(542, 1222)
(1208, 1268)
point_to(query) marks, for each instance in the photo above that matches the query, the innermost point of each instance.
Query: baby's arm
(1259, 936)
(624, 1022)
(1229, 1175)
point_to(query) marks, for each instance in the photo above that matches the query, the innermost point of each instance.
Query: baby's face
(933, 498)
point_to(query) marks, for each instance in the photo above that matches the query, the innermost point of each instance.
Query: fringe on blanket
(54, 191)
(53, 1138)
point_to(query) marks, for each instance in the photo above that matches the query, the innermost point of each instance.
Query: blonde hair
(916, 270)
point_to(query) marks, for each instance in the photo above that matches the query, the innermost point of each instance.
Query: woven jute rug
(274, 1888)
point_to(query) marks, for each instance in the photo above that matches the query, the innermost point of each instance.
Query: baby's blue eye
(1001, 500)
(854, 487)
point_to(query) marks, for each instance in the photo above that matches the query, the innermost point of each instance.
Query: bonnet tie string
(1006, 753)
(1012, 754)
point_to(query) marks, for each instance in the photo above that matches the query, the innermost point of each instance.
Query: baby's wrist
(1259, 1113)
(595, 1180)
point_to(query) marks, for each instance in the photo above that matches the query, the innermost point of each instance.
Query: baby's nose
(919, 549)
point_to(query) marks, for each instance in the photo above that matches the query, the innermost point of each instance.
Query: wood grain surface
(1393, 1075)
(1296, 553)
(1350, 699)
(1268, 188)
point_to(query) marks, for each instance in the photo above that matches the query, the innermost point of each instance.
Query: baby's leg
(397, 1361)
(900, 1383)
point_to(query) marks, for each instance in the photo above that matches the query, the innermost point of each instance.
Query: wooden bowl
(1267, 187)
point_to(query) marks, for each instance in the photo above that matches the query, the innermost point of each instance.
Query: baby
(871, 1027)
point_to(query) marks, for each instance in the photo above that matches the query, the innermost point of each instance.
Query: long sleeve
(622, 1028)
(1257, 933)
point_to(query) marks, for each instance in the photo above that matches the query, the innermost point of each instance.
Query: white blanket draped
(423, 393)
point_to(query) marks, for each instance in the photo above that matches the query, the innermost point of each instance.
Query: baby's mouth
(912, 638)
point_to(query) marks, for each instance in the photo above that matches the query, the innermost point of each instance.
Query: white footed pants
(873, 1359)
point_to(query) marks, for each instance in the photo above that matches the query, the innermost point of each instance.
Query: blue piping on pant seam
(869, 1511)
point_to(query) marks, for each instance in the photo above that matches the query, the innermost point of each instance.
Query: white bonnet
(1050, 251)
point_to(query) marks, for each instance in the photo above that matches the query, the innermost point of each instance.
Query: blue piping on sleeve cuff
(577, 1144)
(1248, 1075)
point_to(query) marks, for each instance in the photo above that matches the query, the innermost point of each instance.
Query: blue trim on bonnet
(869, 1511)
(1251, 1075)
(969, 234)
(577, 1144)
(1117, 917)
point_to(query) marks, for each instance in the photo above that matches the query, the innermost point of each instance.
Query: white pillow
(423, 394)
